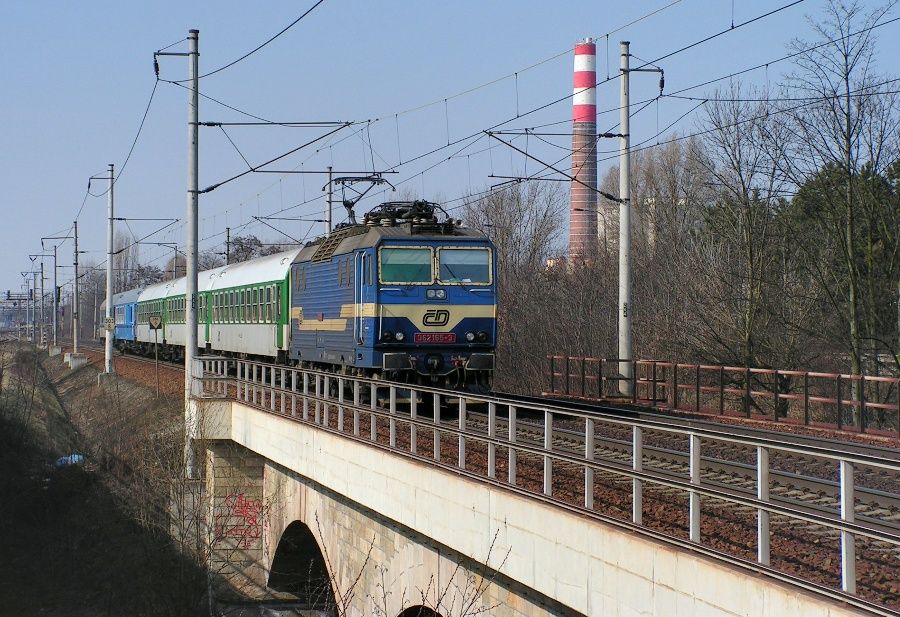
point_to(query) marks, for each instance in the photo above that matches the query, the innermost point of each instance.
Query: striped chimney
(583, 192)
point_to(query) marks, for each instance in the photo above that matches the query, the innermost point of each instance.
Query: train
(409, 294)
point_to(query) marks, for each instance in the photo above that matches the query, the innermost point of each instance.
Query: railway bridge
(383, 500)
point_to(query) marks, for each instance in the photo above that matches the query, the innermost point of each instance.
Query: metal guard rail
(685, 387)
(303, 395)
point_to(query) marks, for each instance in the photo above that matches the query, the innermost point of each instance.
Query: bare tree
(742, 155)
(525, 223)
(849, 134)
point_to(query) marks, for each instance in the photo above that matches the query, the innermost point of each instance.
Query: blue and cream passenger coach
(402, 295)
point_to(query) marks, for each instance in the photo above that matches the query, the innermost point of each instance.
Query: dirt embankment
(87, 540)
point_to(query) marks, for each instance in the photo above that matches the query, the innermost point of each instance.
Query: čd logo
(436, 317)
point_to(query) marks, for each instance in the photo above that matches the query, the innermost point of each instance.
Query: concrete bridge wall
(585, 566)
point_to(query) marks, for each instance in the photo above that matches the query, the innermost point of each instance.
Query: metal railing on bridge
(862, 403)
(608, 466)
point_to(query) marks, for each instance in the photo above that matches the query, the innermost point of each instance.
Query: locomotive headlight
(470, 336)
(387, 336)
(399, 336)
(482, 336)
(436, 294)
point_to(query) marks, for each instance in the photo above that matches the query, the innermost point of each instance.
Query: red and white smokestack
(583, 192)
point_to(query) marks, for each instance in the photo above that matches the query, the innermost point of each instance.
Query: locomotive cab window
(468, 266)
(405, 265)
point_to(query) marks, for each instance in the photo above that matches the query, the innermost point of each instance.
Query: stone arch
(299, 568)
(419, 611)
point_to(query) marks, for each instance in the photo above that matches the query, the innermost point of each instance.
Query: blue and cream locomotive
(402, 294)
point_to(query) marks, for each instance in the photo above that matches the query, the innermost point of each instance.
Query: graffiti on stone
(240, 519)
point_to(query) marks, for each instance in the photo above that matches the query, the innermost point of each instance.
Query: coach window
(277, 302)
(405, 265)
(267, 308)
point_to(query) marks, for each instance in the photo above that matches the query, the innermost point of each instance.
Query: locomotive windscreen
(465, 265)
(405, 265)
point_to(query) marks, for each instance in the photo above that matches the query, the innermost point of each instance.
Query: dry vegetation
(90, 539)
(769, 240)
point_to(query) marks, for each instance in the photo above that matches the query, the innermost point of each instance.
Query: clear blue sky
(77, 76)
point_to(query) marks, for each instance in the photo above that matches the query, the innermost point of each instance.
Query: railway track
(817, 494)
(130, 357)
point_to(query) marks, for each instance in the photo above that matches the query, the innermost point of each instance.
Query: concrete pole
(33, 295)
(34, 308)
(191, 421)
(55, 299)
(95, 314)
(108, 350)
(626, 309)
(43, 321)
(227, 245)
(328, 206)
(75, 296)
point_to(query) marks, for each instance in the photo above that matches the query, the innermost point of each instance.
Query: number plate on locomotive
(435, 337)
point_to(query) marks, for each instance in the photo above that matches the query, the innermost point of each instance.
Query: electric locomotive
(402, 295)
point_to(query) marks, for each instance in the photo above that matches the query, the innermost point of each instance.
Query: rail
(410, 420)
(862, 403)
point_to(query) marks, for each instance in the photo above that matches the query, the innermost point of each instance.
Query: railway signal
(155, 324)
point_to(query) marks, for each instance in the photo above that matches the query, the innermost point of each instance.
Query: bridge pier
(235, 515)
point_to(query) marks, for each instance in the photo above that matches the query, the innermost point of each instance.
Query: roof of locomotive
(366, 237)
(253, 271)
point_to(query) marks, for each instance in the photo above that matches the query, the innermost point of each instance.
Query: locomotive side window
(464, 265)
(405, 265)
